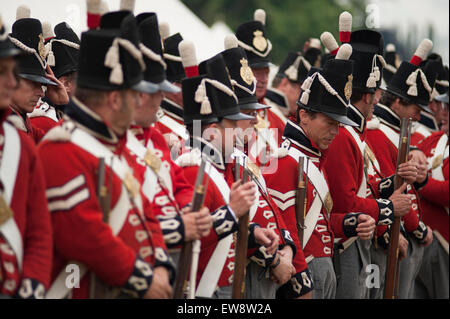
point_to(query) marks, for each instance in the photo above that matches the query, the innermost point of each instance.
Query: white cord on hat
(375, 72)
(149, 53)
(390, 68)
(292, 70)
(26, 48)
(235, 83)
(252, 49)
(306, 88)
(51, 56)
(412, 82)
(112, 59)
(442, 83)
(202, 97)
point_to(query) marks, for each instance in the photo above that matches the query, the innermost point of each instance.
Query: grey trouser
(223, 293)
(378, 257)
(432, 280)
(257, 285)
(353, 261)
(324, 279)
(409, 268)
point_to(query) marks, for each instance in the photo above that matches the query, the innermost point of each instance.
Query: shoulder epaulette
(61, 133)
(17, 122)
(373, 124)
(283, 150)
(37, 113)
(192, 158)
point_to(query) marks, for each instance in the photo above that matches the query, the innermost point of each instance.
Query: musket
(300, 201)
(393, 264)
(103, 193)
(98, 288)
(185, 259)
(240, 261)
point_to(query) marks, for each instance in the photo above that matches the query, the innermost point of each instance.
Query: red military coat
(172, 193)
(386, 152)
(31, 216)
(435, 194)
(345, 169)
(123, 260)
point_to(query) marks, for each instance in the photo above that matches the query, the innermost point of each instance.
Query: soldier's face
(320, 128)
(262, 78)
(8, 81)
(27, 95)
(368, 105)
(175, 97)
(148, 108)
(246, 126)
(407, 111)
(127, 101)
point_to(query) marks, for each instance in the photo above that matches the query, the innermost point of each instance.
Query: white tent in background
(208, 41)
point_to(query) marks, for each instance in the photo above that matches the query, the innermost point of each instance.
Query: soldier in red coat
(170, 116)
(252, 37)
(209, 100)
(173, 194)
(309, 136)
(276, 268)
(103, 225)
(63, 60)
(25, 226)
(346, 166)
(397, 102)
(34, 73)
(432, 280)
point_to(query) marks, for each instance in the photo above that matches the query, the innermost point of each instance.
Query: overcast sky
(399, 14)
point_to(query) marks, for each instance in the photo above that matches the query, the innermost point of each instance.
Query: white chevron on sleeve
(67, 188)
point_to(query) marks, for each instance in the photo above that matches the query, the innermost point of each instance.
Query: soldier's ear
(114, 100)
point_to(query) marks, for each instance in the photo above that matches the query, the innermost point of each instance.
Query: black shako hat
(415, 84)
(368, 47)
(441, 84)
(210, 96)
(7, 48)
(252, 37)
(111, 60)
(151, 49)
(328, 90)
(63, 50)
(27, 35)
(295, 67)
(242, 78)
(175, 70)
(392, 62)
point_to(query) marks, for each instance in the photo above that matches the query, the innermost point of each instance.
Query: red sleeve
(38, 246)
(79, 232)
(436, 191)
(344, 169)
(43, 123)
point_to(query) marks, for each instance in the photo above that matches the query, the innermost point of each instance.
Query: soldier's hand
(57, 94)
(366, 226)
(408, 171)
(242, 197)
(267, 238)
(401, 202)
(429, 237)
(191, 231)
(402, 247)
(160, 287)
(204, 221)
(282, 273)
(422, 172)
(417, 156)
